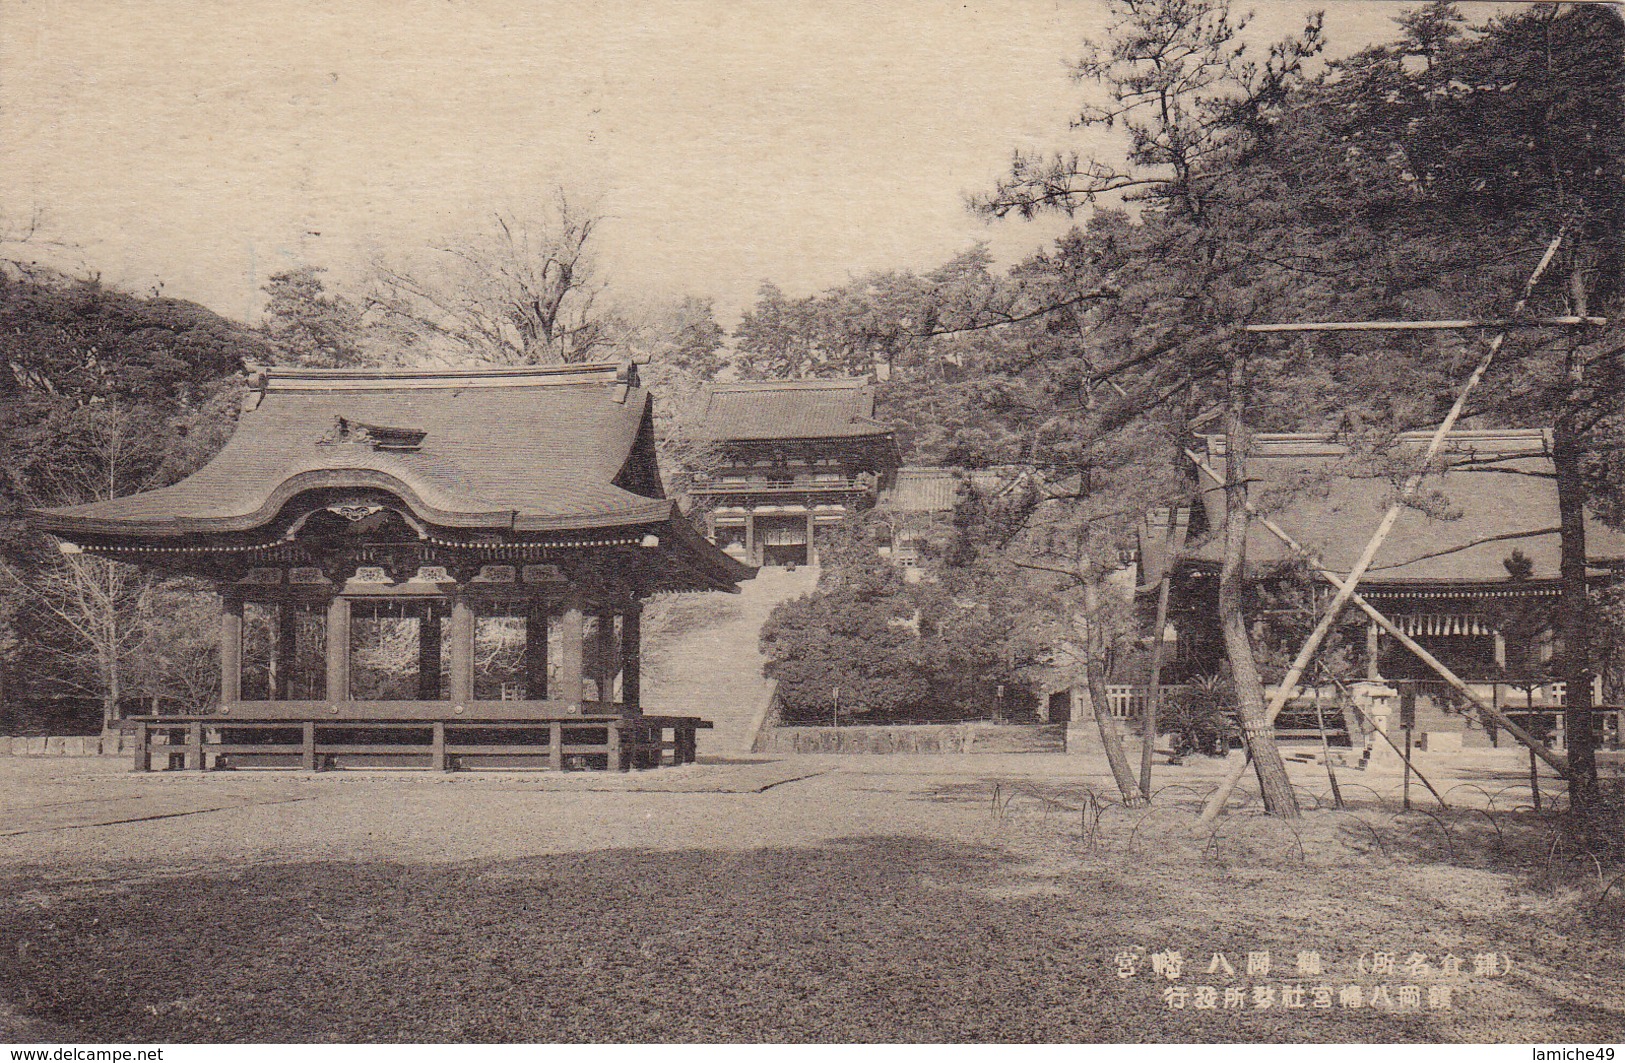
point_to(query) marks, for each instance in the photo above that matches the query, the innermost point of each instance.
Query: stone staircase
(716, 672)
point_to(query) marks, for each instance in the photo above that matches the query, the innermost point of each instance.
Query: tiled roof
(1332, 506)
(924, 489)
(519, 450)
(791, 409)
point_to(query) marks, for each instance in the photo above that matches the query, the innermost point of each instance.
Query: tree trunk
(1153, 694)
(1111, 738)
(1573, 616)
(1274, 785)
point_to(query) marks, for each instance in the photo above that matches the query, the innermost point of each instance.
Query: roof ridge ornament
(626, 378)
(379, 437)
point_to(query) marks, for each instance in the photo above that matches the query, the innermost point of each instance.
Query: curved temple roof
(1495, 493)
(791, 409)
(528, 449)
(519, 452)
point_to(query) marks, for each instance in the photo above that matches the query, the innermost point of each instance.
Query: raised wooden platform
(604, 743)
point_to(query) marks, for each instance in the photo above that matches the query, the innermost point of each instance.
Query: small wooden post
(1534, 780)
(570, 653)
(338, 649)
(231, 650)
(194, 747)
(555, 746)
(462, 652)
(307, 755)
(812, 554)
(437, 748)
(614, 743)
(143, 751)
(1407, 769)
(632, 659)
(750, 537)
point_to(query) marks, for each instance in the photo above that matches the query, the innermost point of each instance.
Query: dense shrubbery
(896, 650)
(103, 394)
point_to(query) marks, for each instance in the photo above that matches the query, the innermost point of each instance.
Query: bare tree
(27, 248)
(523, 291)
(108, 611)
(178, 661)
(104, 607)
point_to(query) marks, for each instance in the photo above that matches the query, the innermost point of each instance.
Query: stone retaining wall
(71, 746)
(919, 738)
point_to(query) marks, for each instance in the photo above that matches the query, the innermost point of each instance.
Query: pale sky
(209, 144)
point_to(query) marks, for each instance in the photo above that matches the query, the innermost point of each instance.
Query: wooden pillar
(536, 652)
(1500, 649)
(570, 654)
(750, 536)
(555, 746)
(287, 634)
(437, 747)
(632, 659)
(338, 649)
(307, 746)
(429, 652)
(604, 652)
(462, 651)
(812, 552)
(143, 748)
(231, 651)
(194, 747)
(614, 742)
(1373, 649)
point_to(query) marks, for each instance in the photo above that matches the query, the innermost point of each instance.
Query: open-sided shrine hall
(433, 568)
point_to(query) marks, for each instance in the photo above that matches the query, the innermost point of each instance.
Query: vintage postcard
(1025, 521)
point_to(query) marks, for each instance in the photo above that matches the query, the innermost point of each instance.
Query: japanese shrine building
(428, 567)
(1442, 577)
(792, 457)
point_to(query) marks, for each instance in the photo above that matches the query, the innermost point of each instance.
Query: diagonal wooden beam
(1359, 601)
(1312, 645)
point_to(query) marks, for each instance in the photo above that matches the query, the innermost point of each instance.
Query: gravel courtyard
(808, 898)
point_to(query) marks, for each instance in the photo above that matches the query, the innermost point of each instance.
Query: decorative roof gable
(539, 448)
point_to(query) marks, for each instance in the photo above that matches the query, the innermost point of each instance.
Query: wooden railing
(619, 742)
(339, 711)
(749, 487)
(1127, 701)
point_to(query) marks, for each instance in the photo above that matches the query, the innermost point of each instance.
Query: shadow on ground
(870, 938)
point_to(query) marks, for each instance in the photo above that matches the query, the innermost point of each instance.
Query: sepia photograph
(874, 522)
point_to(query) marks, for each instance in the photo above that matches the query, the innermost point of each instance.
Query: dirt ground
(978, 897)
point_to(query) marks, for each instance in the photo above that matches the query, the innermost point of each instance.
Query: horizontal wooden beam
(1427, 326)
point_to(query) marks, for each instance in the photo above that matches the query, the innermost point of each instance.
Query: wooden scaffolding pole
(1311, 646)
(1439, 667)
(1153, 695)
